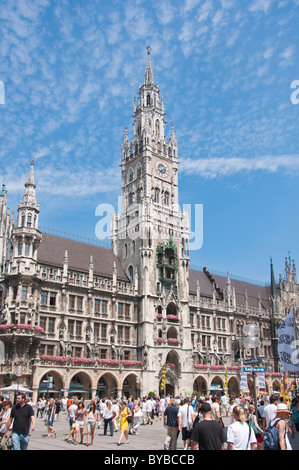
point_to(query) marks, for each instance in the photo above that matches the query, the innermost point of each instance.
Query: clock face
(161, 169)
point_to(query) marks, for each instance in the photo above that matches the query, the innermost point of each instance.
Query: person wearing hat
(208, 433)
(280, 423)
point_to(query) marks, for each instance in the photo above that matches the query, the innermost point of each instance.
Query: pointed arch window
(138, 199)
(157, 128)
(166, 199)
(157, 196)
(148, 100)
(131, 273)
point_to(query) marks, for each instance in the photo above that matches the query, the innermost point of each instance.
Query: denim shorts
(90, 424)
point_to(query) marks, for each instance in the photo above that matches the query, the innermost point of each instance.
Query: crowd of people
(199, 419)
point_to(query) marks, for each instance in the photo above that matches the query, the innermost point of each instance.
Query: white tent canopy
(16, 388)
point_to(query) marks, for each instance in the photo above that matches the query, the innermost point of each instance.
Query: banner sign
(243, 383)
(288, 349)
(261, 380)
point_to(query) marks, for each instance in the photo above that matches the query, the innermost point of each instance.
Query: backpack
(270, 437)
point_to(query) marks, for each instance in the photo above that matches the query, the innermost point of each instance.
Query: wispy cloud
(261, 5)
(83, 182)
(218, 167)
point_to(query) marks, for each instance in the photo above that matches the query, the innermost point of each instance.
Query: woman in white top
(91, 419)
(115, 410)
(108, 416)
(137, 417)
(5, 429)
(240, 436)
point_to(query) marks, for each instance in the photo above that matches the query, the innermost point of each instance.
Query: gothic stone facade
(88, 320)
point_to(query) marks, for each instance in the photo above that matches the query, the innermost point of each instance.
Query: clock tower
(150, 235)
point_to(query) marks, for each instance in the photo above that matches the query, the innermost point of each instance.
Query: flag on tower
(226, 380)
(162, 386)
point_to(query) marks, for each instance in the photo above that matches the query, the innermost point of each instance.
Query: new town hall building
(79, 318)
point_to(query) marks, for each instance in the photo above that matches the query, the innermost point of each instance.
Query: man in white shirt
(149, 409)
(186, 418)
(224, 405)
(71, 413)
(216, 416)
(269, 412)
(40, 407)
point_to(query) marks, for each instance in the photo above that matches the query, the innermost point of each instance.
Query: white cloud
(287, 53)
(165, 12)
(261, 5)
(269, 53)
(204, 11)
(81, 181)
(287, 56)
(190, 4)
(217, 167)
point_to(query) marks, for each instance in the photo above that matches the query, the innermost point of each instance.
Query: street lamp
(252, 341)
(18, 373)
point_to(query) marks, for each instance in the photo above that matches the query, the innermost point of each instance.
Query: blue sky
(71, 70)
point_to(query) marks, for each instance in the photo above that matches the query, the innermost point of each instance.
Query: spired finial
(149, 76)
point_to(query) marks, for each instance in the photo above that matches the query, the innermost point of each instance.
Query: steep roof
(206, 287)
(241, 287)
(52, 249)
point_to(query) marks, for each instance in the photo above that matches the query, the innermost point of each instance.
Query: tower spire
(149, 76)
(272, 280)
(28, 209)
(30, 186)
